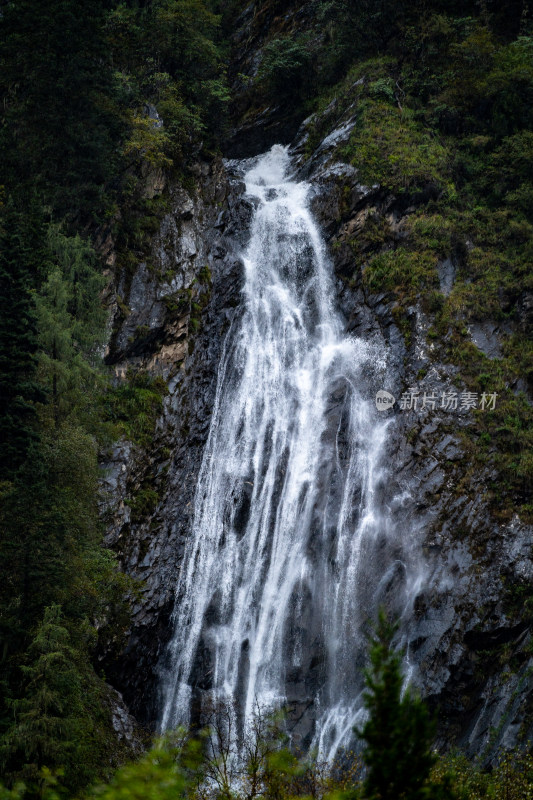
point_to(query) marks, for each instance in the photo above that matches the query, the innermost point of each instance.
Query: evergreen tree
(71, 325)
(59, 125)
(51, 554)
(50, 547)
(22, 260)
(48, 716)
(79, 268)
(399, 731)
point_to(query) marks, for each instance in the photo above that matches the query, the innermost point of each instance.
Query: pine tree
(58, 127)
(22, 257)
(47, 718)
(399, 732)
(80, 269)
(71, 325)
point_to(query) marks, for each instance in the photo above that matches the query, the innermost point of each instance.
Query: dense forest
(445, 93)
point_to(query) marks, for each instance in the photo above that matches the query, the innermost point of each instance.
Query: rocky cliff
(469, 644)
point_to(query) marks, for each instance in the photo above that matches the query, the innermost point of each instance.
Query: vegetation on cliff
(91, 94)
(77, 85)
(397, 738)
(442, 94)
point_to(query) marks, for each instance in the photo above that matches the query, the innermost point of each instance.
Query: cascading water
(290, 552)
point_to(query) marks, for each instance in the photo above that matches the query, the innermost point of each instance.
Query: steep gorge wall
(183, 322)
(470, 648)
(464, 635)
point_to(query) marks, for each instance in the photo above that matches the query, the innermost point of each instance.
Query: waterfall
(290, 551)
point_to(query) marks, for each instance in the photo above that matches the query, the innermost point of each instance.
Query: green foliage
(178, 766)
(168, 771)
(286, 68)
(389, 147)
(77, 141)
(21, 246)
(16, 793)
(207, 767)
(134, 405)
(167, 54)
(494, 273)
(510, 173)
(50, 553)
(446, 124)
(71, 328)
(401, 269)
(488, 86)
(52, 545)
(358, 28)
(511, 779)
(53, 712)
(63, 370)
(143, 503)
(80, 269)
(399, 731)
(49, 718)
(59, 124)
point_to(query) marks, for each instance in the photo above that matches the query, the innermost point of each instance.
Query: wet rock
(525, 311)
(125, 726)
(486, 336)
(433, 499)
(149, 544)
(446, 270)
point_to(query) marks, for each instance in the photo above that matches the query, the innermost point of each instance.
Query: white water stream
(282, 568)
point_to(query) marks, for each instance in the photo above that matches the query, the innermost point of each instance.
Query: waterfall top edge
(270, 169)
(277, 154)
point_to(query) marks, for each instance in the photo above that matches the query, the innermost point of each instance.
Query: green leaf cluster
(286, 68)
(133, 406)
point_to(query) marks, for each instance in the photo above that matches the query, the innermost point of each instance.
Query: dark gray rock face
(461, 625)
(204, 230)
(461, 621)
(262, 123)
